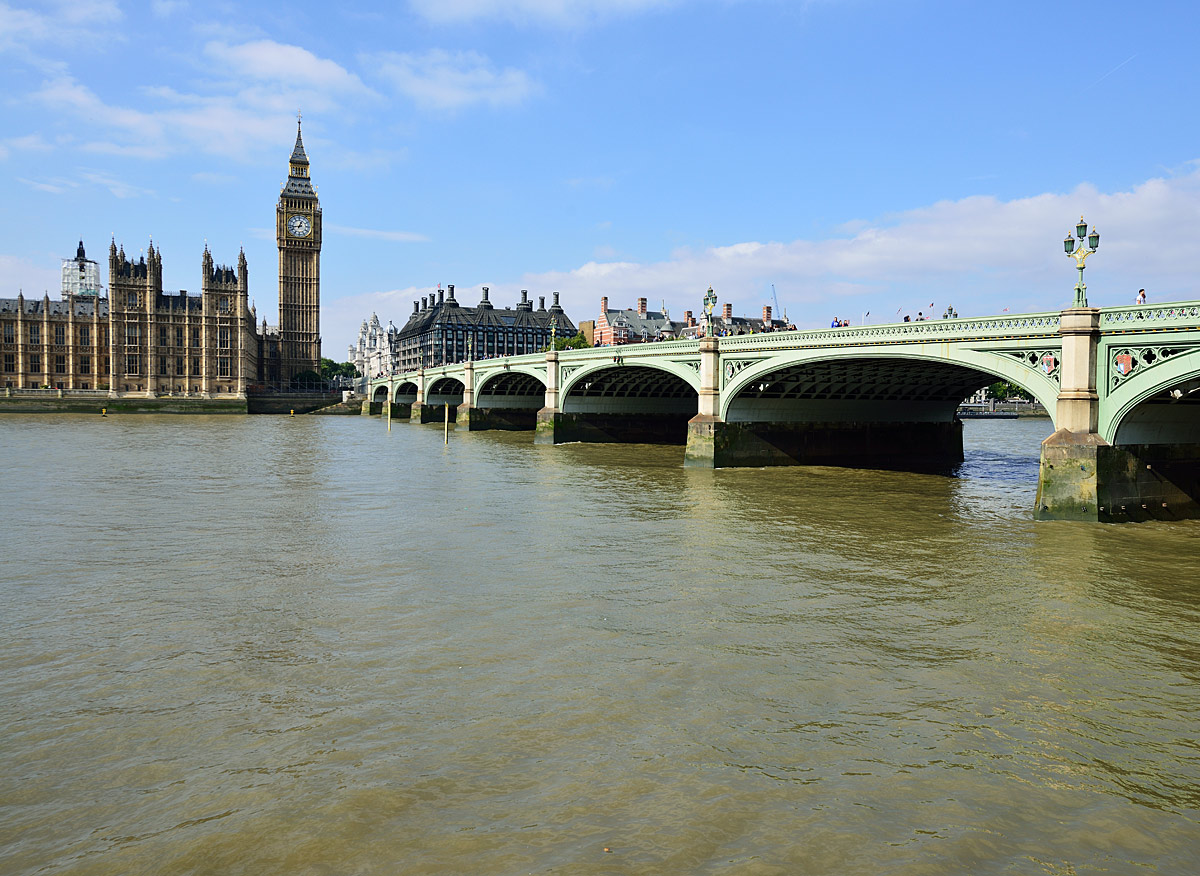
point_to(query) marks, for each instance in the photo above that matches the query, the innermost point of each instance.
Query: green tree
(1002, 390)
(331, 369)
(579, 342)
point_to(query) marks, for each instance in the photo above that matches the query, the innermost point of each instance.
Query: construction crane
(781, 314)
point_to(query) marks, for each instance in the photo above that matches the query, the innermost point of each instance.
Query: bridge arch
(642, 388)
(405, 392)
(444, 390)
(516, 388)
(1159, 405)
(896, 385)
(380, 395)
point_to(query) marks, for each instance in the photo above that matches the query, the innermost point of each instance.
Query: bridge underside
(622, 404)
(864, 413)
(508, 401)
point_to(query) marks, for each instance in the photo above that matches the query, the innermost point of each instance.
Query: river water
(263, 645)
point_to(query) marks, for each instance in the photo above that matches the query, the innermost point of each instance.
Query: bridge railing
(1021, 325)
(1144, 316)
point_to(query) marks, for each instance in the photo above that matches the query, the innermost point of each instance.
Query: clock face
(298, 226)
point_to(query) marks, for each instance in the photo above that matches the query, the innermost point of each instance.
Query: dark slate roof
(646, 325)
(84, 306)
(449, 314)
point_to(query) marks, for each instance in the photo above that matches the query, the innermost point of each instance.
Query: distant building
(372, 355)
(635, 326)
(143, 340)
(438, 330)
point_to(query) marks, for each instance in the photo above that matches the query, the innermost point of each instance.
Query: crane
(781, 314)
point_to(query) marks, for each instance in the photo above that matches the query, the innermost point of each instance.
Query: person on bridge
(1141, 296)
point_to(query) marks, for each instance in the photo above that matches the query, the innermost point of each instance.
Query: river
(265, 645)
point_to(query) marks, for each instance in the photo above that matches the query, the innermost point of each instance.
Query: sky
(855, 158)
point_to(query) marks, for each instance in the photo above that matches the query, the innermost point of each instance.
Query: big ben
(298, 233)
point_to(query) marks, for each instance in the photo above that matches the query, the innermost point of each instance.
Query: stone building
(372, 355)
(143, 340)
(635, 326)
(439, 330)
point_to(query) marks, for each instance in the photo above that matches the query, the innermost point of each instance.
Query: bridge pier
(475, 419)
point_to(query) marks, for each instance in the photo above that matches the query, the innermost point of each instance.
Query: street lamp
(710, 301)
(1080, 252)
(553, 332)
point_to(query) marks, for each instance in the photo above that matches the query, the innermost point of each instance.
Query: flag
(898, 309)
(1005, 310)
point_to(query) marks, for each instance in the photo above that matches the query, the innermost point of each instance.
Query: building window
(35, 333)
(195, 336)
(85, 364)
(223, 304)
(104, 335)
(178, 365)
(35, 362)
(131, 299)
(60, 334)
(223, 338)
(195, 364)
(133, 364)
(178, 336)
(162, 336)
(133, 334)
(10, 332)
(222, 366)
(10, 362)
(85, 335)
(60, 364)
(162, 365)
(107, 364)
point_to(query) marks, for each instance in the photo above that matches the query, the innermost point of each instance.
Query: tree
(331, 369)
(579, 342)
(1001, 390)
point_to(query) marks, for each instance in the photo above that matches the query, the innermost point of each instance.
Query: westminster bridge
(1121, 384)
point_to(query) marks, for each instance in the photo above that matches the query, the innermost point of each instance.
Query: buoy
(293, 412)
(104, 412)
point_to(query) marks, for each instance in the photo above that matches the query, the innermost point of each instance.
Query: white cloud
(559, 12)
(262, 84)
(167, 8)
(978, 254)
(21, 275)
(288, 66)
(394, 236)
(443, 80)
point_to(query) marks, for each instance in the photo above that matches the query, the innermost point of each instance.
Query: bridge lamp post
(1080, 252)
(553, 333)
(710, 301)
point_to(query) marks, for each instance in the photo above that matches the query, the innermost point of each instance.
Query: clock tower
(298, 233)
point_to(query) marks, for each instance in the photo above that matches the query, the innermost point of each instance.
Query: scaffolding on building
(80, 276)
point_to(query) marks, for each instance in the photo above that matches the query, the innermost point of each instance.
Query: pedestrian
(1141, 296)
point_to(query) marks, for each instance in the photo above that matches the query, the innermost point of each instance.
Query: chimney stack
(424, 303)
(687, 318)
(727, 311)
(416, 307)
(641, 307)
(766, 314)
(441, 296)
(541, 302)
(604, 304)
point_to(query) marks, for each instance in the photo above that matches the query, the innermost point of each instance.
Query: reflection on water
(273, 645)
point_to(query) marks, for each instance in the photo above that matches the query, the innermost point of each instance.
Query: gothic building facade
(141, 340)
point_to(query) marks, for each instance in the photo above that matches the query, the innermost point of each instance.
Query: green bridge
(1119, 383)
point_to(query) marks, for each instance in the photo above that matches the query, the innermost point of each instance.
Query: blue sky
(859, 155)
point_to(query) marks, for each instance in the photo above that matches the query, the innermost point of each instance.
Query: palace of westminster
(144, 341)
